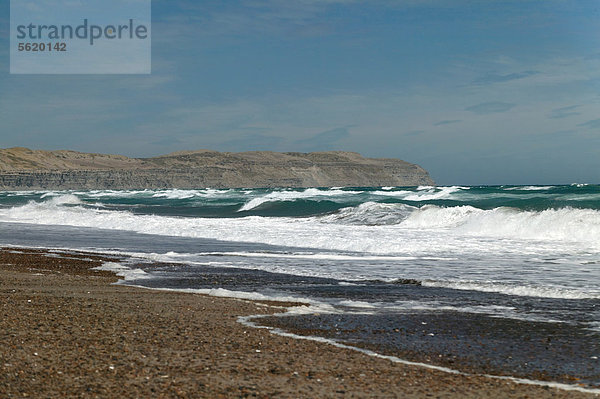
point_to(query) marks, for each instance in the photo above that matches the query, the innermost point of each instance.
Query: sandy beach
(299, 199)
(66, 331)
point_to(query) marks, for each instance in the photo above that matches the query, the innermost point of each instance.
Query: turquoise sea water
(315, 201)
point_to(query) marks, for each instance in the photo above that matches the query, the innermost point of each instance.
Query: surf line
(247, 321)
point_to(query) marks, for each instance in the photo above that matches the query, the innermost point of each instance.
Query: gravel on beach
(67, 331)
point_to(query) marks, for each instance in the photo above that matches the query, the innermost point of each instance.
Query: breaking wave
(291, 195)
(371, 213)
(369, 220)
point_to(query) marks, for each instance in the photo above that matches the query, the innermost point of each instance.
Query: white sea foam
(434, 193)
(371, 213)
(199, 257)
(424, 224)
(49, 194)
(289, 195)
(566, 224)
(123, 271)
(530, 188)
(309, 256)
(400, 194)
(175, 194)
(313, 307)
(62, 199)
(164, 193)
(116, 193)
(186, 194)
(357, 304)
(514, 289)
(435, 306)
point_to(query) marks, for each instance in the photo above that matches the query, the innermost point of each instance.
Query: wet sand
(470, 342)
(65, 331)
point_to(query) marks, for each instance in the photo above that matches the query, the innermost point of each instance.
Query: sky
(476, 92)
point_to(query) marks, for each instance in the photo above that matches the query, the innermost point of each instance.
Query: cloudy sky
(477, 92)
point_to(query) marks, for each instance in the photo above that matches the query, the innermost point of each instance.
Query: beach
(299, 199)
(68, 331)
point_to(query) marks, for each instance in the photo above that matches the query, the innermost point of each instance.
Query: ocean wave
(429, 243)
(115, 193)
(63, 199)
(371, 213)
(289, 195)
(434, 193)
(175, 194)
(318, 201)
(375, 227)
(422, 193)
(186, 194)
(146, 193)
(568, 224)
(529, 188)
(318, 256)
(392, 194)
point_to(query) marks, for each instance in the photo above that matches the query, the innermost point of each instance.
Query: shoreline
(69, 331)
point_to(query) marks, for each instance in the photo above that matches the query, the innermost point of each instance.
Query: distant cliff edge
(25, 169)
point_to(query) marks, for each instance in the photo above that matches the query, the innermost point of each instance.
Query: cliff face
(24, 169)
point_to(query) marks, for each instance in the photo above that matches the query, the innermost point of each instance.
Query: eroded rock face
(24, 169)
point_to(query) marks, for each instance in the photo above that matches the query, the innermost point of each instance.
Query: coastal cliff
(25, 169)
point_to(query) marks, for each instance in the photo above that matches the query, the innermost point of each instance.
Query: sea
(495, 280)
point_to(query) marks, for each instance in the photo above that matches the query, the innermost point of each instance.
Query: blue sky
(477, 92)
